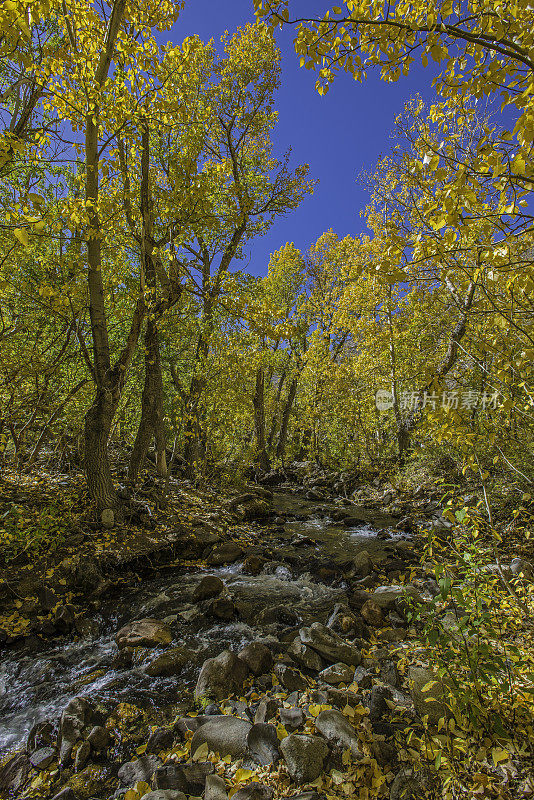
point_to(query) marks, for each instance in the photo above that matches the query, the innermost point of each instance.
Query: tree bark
(259, 420)
(282, 436)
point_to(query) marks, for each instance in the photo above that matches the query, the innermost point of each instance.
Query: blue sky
(338, 135)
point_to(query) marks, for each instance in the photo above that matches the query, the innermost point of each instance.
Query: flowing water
(37, 685)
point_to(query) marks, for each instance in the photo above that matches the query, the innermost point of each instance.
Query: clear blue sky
(338, 135)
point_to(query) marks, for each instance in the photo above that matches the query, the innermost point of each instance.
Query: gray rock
(305, 656)
(223, 735)
(337, 730)
(75, 717)
(290, 678)
(142, 769)
(262, 741)
(266, 710)
(42, 758)
(14, 774)
(160, 739)
(363, 678)
(431, 701)
(221, 676)
(41, 735)
(215, 788)
(329, 645)
(144, 633)
(188, 778)
(336, 674)
(304, 756)
(292, 718)
(407, 786)
(225, 553)
(222, 608)
(98, 738)
(209, 586)
(363, 563)
(257, 657)
(82, 756)
(165, 794)
(254, 791)
(521, 566)
(171, 662)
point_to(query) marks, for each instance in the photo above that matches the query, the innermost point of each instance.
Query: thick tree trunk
(282, 437)
(259, 420)
(151, 423)
(98, 421)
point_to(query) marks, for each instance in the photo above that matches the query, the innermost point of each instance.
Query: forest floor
(330, 659)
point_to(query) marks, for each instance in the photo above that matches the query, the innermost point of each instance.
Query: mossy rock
(91, 781)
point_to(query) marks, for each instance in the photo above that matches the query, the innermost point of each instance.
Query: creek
(37, 685)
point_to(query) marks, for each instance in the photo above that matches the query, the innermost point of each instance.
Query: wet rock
(225, 553)
(142, 769)
(209, 586)
(42, 734)
(215, 788)
(292, 718)
(305, 656)
(431, 701)
(64, 618)
(94, 780)
(372, 613)
(160, 739)
(86, 628)
(171, 662)
(221, 676)
(267, 709)
(281, 614)
(363, 563)
(188, 778)
(254, 509)
(14, 774)
(304, 756)
(262, 742)
(42, 758)
(342, 620)
(289, 678)
(46, 598)
(82, 756)
(65, 794)
(144, 633)
(76, 716)
(253, 565)
(257, 657)
(223, 735)
(336, 674)
(98, 738)
(329, 645)
(222, 608)
(337, 730)
(254, 791)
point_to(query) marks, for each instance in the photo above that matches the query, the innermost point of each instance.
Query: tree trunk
(98, 421)
(282, 437)
(259, 420)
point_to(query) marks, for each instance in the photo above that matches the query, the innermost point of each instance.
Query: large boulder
(262, 741)
(336, 674)
(221, 676)
(304, 756)
(188, 778)
(144, 633)
(337, 730)
(329, 645)
(209, 586)
(224, 735)
(171, 662)
(142, 769)
(257, 657)
(304, 655)
(225, 553)
(428, 694)
(76, 717)
(93, 781)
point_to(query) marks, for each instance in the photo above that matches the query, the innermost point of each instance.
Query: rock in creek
(171, 662)
(329, 645)
(257, 657)
(225, 553)
(209, 586)
(144, 633)
(221, 676)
